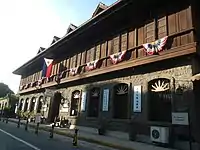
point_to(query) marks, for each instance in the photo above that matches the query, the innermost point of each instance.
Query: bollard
(36, 129)
(6, 119)
(18, 123)
(26, 125)
(75, 138)
(51, 131)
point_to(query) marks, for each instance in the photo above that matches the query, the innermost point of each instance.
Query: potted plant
(102, 126)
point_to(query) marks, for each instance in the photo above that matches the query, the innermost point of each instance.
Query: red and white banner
(117, 57)
(91, 65)
(155, 47)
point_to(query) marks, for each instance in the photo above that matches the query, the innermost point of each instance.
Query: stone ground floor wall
(177, 71)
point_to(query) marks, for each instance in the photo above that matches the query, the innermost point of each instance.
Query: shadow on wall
(156, 108)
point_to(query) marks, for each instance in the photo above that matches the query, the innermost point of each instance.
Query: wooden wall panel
(98, 52)
(104, 53)
(116, 44)
(131, 39)
(172, 24)
(140, 36)
(162, 27)
(124, 41)
(83, 60)
(150, 32)
(110, 52)
(88, 56)
(79, 59)
(92, 53)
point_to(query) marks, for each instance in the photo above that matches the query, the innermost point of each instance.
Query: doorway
(54, 107)
(93, 109)
(160, 100)
(120, 101)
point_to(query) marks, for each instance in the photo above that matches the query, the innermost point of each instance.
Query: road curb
(79, 137)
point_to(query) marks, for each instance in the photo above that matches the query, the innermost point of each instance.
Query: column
(24, 103)
(29, 104)
(36, 104)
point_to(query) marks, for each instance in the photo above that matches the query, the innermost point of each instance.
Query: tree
(4, 90)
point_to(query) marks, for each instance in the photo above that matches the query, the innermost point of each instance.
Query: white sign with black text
(105, 99)
(83, 101)
(137, 104)
(180, 118)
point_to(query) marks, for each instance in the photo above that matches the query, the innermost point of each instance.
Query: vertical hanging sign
(105, 99)
(83, 101)
(137, 106)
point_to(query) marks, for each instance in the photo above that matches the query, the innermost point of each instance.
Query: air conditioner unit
(160, 134)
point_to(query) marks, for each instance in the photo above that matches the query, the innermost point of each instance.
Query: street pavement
(13, 138)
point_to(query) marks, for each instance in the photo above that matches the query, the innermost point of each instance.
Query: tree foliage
(4, 90)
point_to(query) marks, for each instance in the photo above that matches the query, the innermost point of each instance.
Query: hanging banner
(137, 106)
(105, 99)
(83, 101)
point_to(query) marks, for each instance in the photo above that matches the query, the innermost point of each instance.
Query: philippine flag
(47, 67)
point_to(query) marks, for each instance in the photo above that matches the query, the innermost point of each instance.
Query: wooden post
(36, 129)
(18, 123)
(51, 131)
(26, 125)
(75, 138)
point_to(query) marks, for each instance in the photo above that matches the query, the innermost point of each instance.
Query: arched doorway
(93, 107)
(120, 101)
(159, 100)
(26, 104)
(75, 103)
(20, 104)
(39, 107)
(32, 104)
(54, 106)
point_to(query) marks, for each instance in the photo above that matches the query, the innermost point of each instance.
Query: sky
(27, 25)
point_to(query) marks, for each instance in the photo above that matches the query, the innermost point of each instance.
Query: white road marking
(20, 140)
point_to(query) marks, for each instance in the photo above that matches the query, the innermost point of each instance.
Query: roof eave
(18, 72)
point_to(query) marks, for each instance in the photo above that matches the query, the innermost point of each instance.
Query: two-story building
(130, 61)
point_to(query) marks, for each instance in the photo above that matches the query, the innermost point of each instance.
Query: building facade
(121, 66)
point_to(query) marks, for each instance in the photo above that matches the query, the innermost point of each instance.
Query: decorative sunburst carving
(122, 90)
(95, 93)
(160, 86)
(76, 94)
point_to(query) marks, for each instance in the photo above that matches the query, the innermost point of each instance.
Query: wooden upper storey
(125, 29)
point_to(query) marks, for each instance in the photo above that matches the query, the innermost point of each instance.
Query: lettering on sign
(105, 99)
(137, 99)
(180, 118)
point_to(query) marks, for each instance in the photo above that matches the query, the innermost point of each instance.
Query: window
(32, 104)
(93, 110)
(75, 103)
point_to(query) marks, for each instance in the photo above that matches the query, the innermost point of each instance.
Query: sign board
(37, 118)
(180, 118)
(83, 101)
(137, 103)
(105, 99)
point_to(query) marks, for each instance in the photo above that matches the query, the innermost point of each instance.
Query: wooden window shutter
(103, 52)
(161, 27)
(98, 52)
(150, 32)
(79, 59)
(92, 53)
(116, 44)
(124, 42)
(83, 58)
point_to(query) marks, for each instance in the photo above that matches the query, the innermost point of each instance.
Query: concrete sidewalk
(98, 139)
